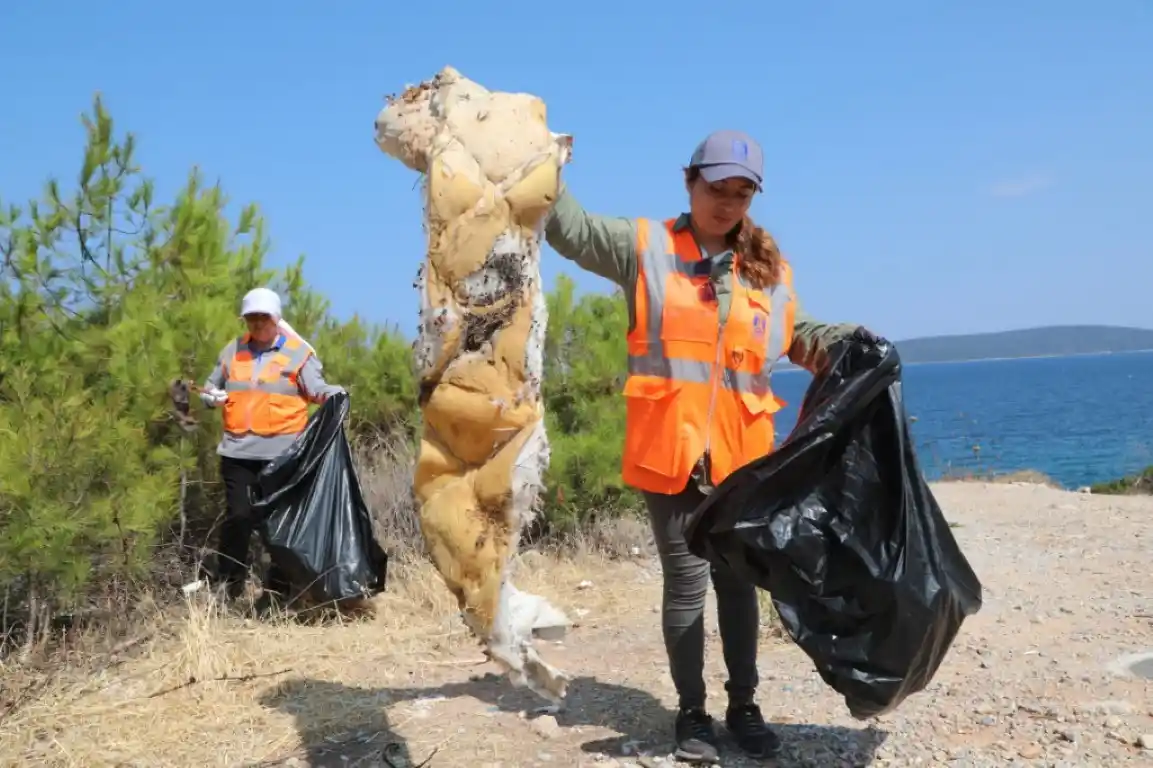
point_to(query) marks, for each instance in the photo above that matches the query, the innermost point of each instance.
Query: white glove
(213, 397)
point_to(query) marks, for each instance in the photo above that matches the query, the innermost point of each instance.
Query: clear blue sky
(931, 167)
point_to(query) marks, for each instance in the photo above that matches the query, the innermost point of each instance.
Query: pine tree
(107, 295)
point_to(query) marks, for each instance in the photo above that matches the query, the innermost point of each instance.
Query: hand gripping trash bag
(839, 526)
(314, 521)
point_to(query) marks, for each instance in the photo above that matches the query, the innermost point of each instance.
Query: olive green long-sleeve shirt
(606, 246)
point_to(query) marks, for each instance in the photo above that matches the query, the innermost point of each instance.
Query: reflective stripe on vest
(697, 386)
(659, 262)
(255, 384)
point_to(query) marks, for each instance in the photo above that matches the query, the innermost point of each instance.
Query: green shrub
(1140, 483)
(109, 294)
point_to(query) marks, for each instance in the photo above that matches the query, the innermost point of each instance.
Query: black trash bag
(313, 518)
(840, 527)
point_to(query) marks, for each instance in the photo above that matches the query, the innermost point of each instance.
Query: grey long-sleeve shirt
(248, 445)
(606, 246)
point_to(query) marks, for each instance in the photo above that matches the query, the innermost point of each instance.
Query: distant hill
(1049, 341)
(1028, 342)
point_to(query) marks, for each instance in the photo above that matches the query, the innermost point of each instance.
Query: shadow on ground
(345, 726)
(338, 726)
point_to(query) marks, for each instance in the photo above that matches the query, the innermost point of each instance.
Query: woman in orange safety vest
(264, 381)
(711, 310)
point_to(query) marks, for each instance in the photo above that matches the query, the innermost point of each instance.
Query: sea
(1080, 419)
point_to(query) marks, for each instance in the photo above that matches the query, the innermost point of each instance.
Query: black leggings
(234, 556)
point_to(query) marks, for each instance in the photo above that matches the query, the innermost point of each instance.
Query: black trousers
(234, 550)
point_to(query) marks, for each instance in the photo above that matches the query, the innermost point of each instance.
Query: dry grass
(204, 686)
(192, 682)
(198, 683)
(385, 466)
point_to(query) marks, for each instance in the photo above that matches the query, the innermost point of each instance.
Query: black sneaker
(696, 739)
(750, 732)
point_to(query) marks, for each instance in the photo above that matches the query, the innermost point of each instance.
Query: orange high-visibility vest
(695, 387)
(265, 399)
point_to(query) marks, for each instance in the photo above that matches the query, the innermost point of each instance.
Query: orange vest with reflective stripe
(264, 398)
(695, 386)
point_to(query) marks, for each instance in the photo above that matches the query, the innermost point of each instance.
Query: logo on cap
(740, 149)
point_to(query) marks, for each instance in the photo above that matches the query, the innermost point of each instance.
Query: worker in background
(711, 309)
(264, 381)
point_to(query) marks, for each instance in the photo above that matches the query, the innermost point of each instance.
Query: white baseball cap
(261, 301)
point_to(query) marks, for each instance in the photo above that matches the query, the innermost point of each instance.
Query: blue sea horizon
(1079, 419)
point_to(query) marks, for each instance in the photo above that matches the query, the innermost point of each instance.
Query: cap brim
(715, 173)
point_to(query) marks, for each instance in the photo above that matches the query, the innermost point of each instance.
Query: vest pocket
(283, 411)
(652, 425)
(686, 315)
(751, 333)
(745, 358)
(232, 413)
(758, 405)
(688, 324)
(757, 434)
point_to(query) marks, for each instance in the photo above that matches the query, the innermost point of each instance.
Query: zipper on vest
(713, 396)
(253, 382)
(718, 360)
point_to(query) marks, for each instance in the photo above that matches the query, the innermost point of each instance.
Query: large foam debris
(491, 172)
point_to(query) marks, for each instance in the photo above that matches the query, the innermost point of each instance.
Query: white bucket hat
(266, 301)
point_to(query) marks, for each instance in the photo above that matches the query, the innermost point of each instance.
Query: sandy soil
(1031, 680)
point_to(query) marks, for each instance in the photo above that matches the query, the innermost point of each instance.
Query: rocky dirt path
(1031, 680)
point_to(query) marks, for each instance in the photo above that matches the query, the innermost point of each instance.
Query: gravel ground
(1031, 680)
